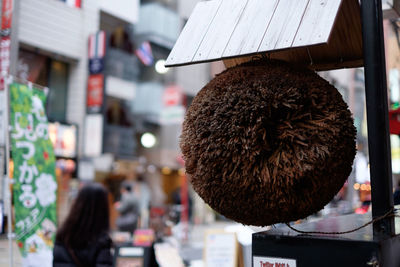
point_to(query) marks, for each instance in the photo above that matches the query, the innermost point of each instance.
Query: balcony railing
(158, 24)
(121, 64)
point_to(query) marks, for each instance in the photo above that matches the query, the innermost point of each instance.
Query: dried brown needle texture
(266, 143)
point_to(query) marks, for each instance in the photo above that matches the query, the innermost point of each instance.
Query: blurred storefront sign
(395, 149)
(97, 51)
(172, 115)
(66, 165)
(95, 93)
(64, 139)
(86, 170)
(394, 126)
(172, 96)
(93, 139)
(35, 187)
(143, 237)
(120, 88)
(96, 65)
(6, 16)
(394, 121)
(93, 132)
(95, 86)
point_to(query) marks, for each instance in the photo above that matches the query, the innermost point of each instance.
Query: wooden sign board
(323, 33)
(221, 249)
(134, 256)
(129, 256)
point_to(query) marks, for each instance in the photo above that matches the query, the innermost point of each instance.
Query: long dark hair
(87, 219)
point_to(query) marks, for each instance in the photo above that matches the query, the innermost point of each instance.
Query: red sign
(394, 121)
(95, 92)
(172, 96)
(143, 237)
(6, 15)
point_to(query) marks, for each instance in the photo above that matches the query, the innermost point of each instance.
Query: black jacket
(95, 255)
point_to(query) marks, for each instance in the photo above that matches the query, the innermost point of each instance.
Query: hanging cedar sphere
(265, 142)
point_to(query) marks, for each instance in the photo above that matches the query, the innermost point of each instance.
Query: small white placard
(131, 251)
(93, 135)
(86, 170)
(273, 262)
(220, 249)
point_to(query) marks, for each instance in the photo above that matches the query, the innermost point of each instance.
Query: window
(47, 72)
(58, 84)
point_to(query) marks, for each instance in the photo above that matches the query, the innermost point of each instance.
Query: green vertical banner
(35, 186)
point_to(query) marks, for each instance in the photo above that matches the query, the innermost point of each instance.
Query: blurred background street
(115, 115)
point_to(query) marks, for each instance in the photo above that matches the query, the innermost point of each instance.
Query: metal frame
(377, 117)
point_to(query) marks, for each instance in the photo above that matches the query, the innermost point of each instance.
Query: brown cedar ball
(265, 142)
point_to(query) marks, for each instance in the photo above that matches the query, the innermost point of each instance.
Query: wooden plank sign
(284, 25)
(247, 38)
(227, 29)
(319, 16)
(194, 31)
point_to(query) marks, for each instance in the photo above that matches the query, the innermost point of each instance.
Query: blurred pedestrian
(128, 207)
(83, 239)
(144, 193)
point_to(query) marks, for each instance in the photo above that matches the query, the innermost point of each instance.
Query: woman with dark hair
(83, 238)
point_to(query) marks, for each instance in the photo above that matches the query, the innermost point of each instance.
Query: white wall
(56, 28)
(52, 26)
(185, 7)
(76, 105)
(127, 10)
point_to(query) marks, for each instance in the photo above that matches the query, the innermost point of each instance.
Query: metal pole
(7, 176)
(14, 49)
(377, 117)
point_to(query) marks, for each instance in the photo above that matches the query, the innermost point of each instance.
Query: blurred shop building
(350, 83)
(109, 92)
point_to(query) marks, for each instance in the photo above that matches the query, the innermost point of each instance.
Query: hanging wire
(390, 213)
(309, 55)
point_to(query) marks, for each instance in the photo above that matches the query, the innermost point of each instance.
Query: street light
(160, 66)
(148, 140)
